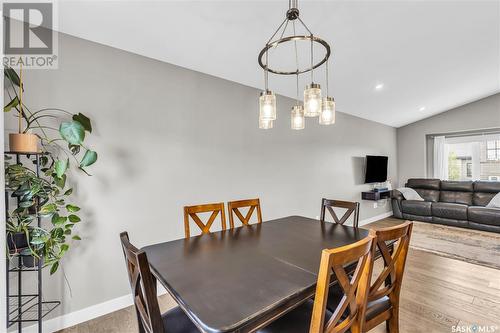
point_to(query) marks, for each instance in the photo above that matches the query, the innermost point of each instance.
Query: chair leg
(393, 322)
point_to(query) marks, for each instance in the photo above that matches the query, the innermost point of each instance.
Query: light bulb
(312, 100)
(327, 116)
(265, 124)
(267, 105)
(298, 120)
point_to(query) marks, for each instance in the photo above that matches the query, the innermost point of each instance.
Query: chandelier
(314, 105)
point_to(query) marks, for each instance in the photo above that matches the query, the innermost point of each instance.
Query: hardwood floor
(437, 294)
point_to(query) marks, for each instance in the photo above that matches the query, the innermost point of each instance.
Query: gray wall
(169, 137)
(412, 156)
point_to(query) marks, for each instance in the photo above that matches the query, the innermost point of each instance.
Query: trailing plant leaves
(60, 182)
(72, 208)
(61, 167)
(26, 204)
(68, 191)
(76, 237)
(12, 104)
(84, 120)
(12, 76)
(54, 267)
(88, 159)
(73, 218)
(58, 220)
(73, 132)
(75, 149)
(48, 209)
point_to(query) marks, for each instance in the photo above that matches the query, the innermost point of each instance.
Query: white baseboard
(101, 309)
(375, 218)
(86, 314)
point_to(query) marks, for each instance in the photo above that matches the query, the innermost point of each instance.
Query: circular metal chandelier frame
(275, 43)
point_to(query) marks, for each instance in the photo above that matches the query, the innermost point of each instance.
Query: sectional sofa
(456, 203)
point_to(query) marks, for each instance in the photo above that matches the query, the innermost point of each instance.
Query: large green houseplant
(61, 136)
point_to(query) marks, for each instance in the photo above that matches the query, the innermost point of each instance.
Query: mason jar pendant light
(313, 102)
(267, 100)
(327, 115)
(267, 105)
(265, 124)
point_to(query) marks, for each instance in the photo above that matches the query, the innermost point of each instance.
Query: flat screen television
(376, 169)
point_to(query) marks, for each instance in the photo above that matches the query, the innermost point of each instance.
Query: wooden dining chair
(351, 208)
(383, 298)
(313, 316)
(193, 211)
(143, 285)
(233, 208)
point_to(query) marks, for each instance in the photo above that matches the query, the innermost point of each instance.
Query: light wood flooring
(437, 293)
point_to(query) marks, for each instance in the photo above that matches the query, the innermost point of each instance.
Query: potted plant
(46, 195)
(23, 141)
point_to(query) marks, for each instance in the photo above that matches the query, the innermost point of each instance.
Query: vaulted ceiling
(425, 56)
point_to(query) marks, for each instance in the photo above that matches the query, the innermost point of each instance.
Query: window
(493, 150)
(467, 157)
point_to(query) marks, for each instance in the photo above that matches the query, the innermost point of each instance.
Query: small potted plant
(23, 141)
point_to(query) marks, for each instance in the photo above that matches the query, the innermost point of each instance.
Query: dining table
(241, 279)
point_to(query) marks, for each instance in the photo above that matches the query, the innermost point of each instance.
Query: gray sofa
(460, 204)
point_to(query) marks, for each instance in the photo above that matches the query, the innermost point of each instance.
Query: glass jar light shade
(312, 100)
(267, 105)
(298, 120)
(265, 124)
(327, 116)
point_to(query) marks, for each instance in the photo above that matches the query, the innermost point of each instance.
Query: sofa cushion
(414, 207)
(484, 192)
(452, 222)
(482, 215)
(449, 185)
(482, 198)
(456, 192)
(464, 198)
(426, 188)
(449, 210)
(412, 217)
(423, 183)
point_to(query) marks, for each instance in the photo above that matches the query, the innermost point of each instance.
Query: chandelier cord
(327, 78)
(297, 64)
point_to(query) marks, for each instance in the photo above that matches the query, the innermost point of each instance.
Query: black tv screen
(376, 169)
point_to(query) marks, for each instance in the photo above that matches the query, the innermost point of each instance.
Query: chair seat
(372, 308)
(296, 321)
(376, 307)
(176, 321)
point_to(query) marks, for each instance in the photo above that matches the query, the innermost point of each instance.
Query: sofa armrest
(396, 199)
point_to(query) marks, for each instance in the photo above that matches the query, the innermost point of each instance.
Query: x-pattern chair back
(193, 211)
(234, 209)
(355, 288)
(388, 283)
(351, 208)
(143, 287)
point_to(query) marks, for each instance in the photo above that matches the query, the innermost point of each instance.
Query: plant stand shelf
(21, 307)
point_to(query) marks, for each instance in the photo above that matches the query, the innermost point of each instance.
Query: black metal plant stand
(25, 308)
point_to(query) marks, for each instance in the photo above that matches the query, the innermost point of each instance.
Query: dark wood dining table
(241, 279)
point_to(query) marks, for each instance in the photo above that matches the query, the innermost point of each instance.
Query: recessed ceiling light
(422, 108)
(379, 86)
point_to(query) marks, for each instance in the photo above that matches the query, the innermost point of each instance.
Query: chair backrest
(388, 283)
(252, 205)
(351, 207)
(355, 288)
(143, 288)
(192, 211)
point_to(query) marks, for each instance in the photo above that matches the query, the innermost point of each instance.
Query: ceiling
(430, 56)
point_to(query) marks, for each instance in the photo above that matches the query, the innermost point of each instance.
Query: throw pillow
(410, 194)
